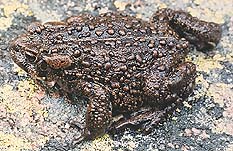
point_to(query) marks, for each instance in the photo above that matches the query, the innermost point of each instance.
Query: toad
(121, 64)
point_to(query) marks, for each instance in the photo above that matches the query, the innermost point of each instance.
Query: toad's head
(35, 53)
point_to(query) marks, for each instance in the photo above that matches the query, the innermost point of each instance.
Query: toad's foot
(204, 35)
(145, 120)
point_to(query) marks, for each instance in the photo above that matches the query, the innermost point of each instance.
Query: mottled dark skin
(122, 65)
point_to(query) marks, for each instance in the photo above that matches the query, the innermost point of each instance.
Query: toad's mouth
(44, 82)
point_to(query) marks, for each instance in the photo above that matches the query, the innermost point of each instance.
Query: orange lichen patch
(104, 143)
(218, 18)
(120, 5)
(221, 93)
(18, 70)
(204, 87)
(9, 8)
(162, 5)
(229, 57)
(11, 142)
(197, 132)
(230, 147)
(13, 100)
(207, 64)
(23, 108)
(209, 12)
(223, 126)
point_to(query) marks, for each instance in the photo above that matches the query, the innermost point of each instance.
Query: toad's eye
(31, 57)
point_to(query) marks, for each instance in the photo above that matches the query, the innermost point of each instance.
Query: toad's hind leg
(172, 88)
(202, 34)
(161, 97)
(99, 110)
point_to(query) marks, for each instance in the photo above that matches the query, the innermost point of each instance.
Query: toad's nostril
(14, 47)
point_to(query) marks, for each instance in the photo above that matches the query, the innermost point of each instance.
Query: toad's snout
(22, 55)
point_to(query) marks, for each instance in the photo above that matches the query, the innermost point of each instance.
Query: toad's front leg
(99, 109)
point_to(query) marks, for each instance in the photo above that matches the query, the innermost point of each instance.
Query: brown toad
(122, 64)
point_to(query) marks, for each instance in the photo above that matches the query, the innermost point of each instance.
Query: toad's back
(110, 47)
